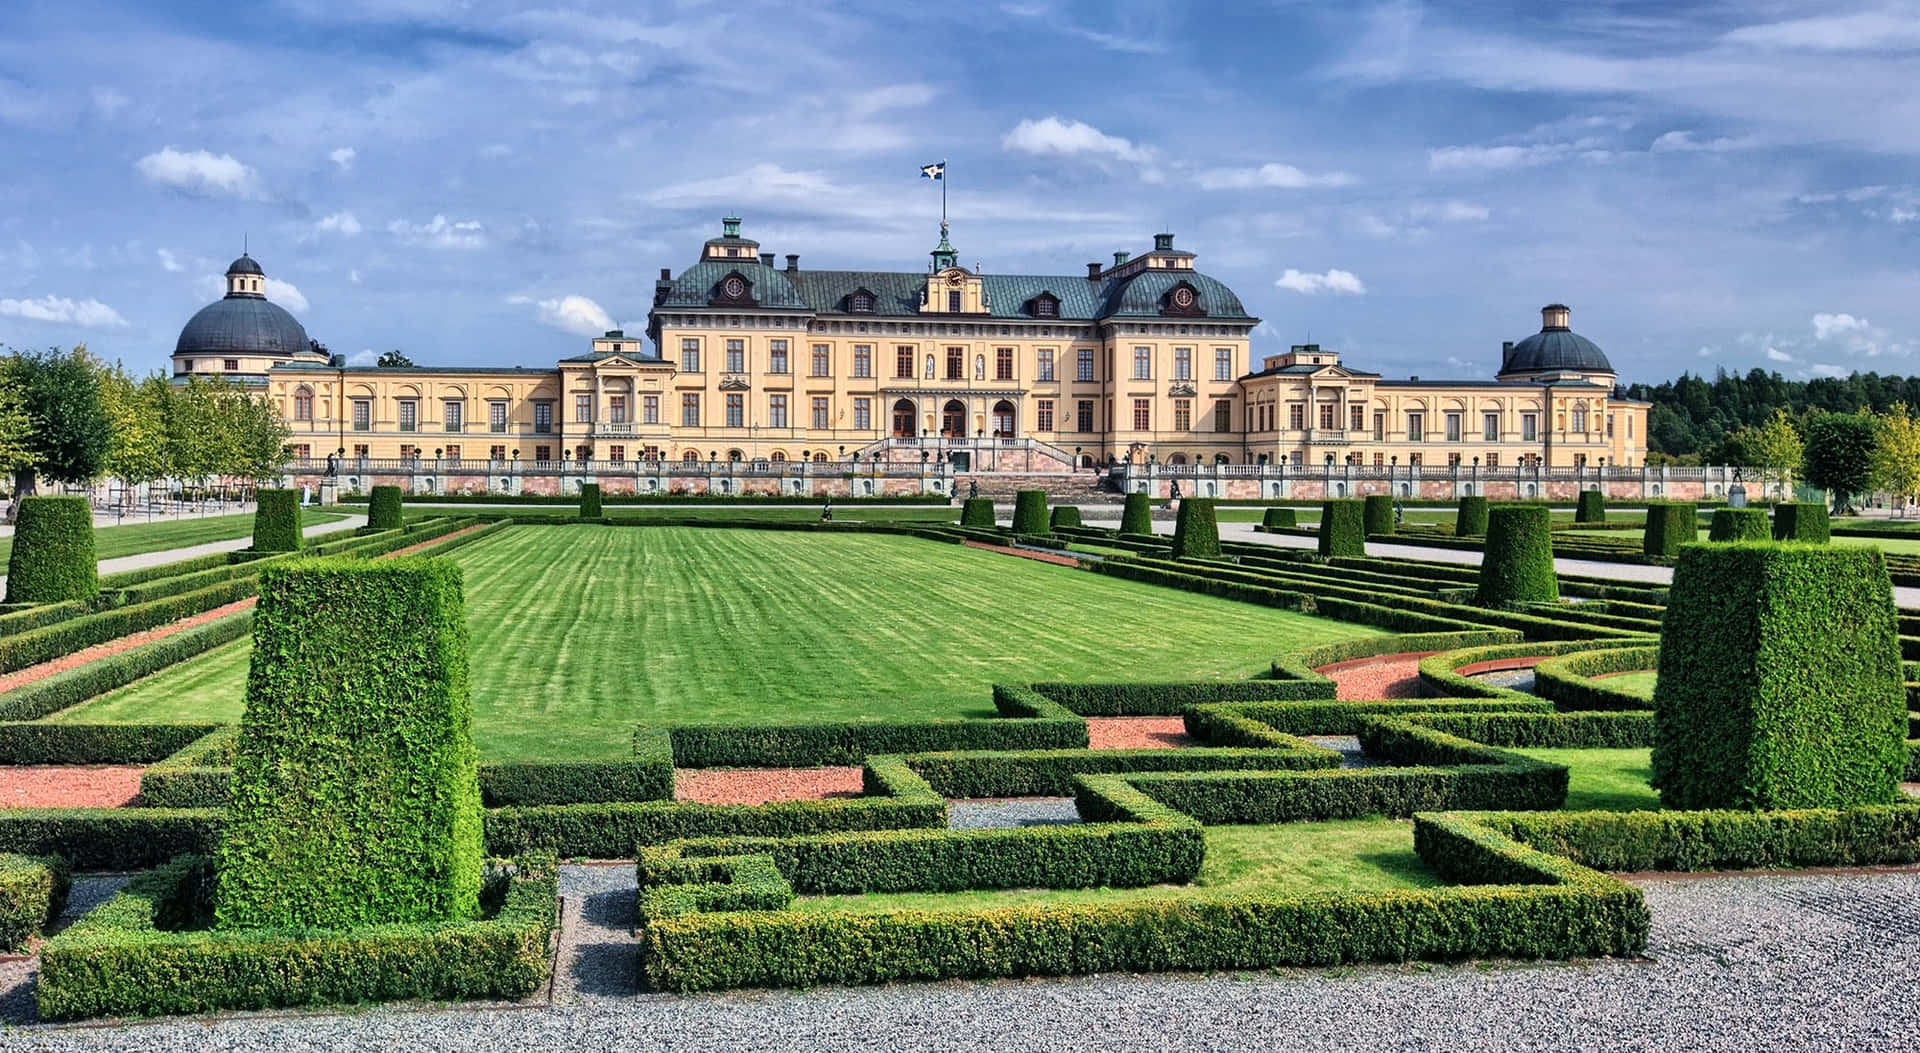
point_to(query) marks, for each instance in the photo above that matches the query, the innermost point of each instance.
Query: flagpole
(943, 193)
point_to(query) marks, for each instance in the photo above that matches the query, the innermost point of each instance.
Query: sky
(490, 182)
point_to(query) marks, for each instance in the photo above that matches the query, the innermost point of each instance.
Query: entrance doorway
(1003, 419)
(953, 420)
(903, 419)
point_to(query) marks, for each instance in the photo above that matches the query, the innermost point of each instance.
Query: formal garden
(356, 768)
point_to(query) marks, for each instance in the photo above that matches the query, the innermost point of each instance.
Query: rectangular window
(1379, 460)
(616, 453)
(1379, 427)
(1044, 368)
(690, 410)
(1579, 460)
(1490, 427)
(362, 414)
(777, 356)
(303, 406)
(1183, 363)
(1529, 427)
(1296, 416)
(543, 453)
(1453, 427)
(453, 415)
(1223, 415)
(649, 453)
(1453, 460)
(736, 411)
(1493, 460)
(1223, 363)
(1142, 414)
(1416, 426)
(956, 363)
(822, 417)
(303, 451)
(863, 360)
(453, 452)
(736, 356)
(616, 409)
(1043, 414)
(1358, 419)
(1327, 410)
(543, 418)
(230, 364)
(409, 453)
(1182, 414)
(776, 411)
(903, 362)
(689, 356)
(582, 409)
(1003, 363)
(822, 361)
(1413, 460)
(1084, 366)
(1083, 416)
(863, 414)
(1609, 425)
(650, 409)
(1143, 363)
(953, 300)
(409, 415)
(496, 416)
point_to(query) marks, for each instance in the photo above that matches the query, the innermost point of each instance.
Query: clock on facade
(735, 288)
(1183, 297)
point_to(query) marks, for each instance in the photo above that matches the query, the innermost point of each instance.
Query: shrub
(1471, 519)
(52, 558)
(32, 891)
(1721, 840)
(1738, 524)
(1670, 524)
(1030, 512)
(355, 799)
(1592, 507)
(1801, 521)
(71, 687)
(1379, 514)
(1274, 518)
(977, 512)
(1196, 534)
(590, 501)
(1780, 680)
(276, 522)
(383, 508)
(1517, 566)
(1343, 528)
(1569, 681)
(1065, 516)
(1136, 516)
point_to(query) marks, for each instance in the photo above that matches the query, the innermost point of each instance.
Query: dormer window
(1183, 299)
(1045, 306)
(861, 302)
(733, 290)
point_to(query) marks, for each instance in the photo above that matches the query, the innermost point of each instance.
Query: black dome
(242, 325)
(244, 265)
(1552, 350)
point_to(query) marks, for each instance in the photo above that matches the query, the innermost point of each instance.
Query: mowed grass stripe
(581, 632)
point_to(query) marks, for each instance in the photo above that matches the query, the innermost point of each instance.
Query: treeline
(1693, 417)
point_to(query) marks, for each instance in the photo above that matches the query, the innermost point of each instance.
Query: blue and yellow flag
(937, 170)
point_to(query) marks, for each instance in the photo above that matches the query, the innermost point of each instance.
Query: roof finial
(243, 243)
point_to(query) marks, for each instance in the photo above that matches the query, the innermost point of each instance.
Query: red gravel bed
(411, 549)
(761, 785)
(68, 786)
(1138, 733)
(1044, 557)
(1382, 676)
(85, 655)
(1501, 665)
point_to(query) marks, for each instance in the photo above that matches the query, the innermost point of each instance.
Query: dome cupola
(1556, 348)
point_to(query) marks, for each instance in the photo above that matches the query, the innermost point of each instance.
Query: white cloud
(1821, 369)
(169, 262)
(441, 233)
(1051, 135)
(891, 97)
(1450, 211)
(363, 357)
(1272, 174)
(1862, 31)
(575, 314)
(1684, 142)
(759, 183)
(1903, 215)
(286, 294)
(1774, 354)
(1335, 282)
(88, 313)
(108, 101)
(1828, 326)
(339, 223)
(1498, 158)
(354, 275)
(342, 157)
(200, 172)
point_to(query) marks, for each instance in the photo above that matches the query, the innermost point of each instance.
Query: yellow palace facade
(751, 367)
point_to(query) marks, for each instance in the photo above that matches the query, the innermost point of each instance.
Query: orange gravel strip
(762, 785)
(1382, 676)
(1044, 557)
(1137, 733)
(1501, 665)
(411, 549)
(68, 786)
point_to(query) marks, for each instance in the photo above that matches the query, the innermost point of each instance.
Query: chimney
(1555, 316)
(666, 274)
(1163, 243)
(766, 259)
(1093, 271)
(1119, 257)
(793, 262)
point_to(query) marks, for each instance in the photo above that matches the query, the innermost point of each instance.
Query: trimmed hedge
(1030, 512)
(1592, 507)
(1277, 518)
(1064, 516)
(148, 951)
(1030, 720)
(977, 512)
(52, 559)
(1739, 524)
(63, 638)
(590, 501)
(109, 838)
(1579, 731)
(1136, 515)
(38, 742)
(1758, 705)
(1196, 534)
(1471, 519)
(1268, 725)
(1050, 773)
(1802, 521)
(1379, 514)
(276, 521)
(1518, 563)
(1568, 679)
(1721, 840)
(1167, 698)
(32, 892)
(383, 509)
(71, 687)
(1670, 524)
(1343, 530)
(355, 800)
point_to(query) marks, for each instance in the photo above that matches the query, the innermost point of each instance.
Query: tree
(1776, 449)
(1840, 454)
(16, 426)
(137, 413)
(60, 391)
(1896, 455)
(394, 360)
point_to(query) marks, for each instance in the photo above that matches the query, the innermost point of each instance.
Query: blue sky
(487, 181)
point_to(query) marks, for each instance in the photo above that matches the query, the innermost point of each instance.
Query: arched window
(903, 417)
(1002, 419)
(690, 457)
(1579, 418)
(820, 457)
(1221, 458)
(1178, 458)
(735, 455)
(778, 457)
(303, 404)
(953, 420)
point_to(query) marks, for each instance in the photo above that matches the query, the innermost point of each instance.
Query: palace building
(750, 362)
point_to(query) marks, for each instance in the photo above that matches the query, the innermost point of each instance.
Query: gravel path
(1751, 963)
(68, 785)
(760, 785)
(1513, 679)
(1385, 676)
(1002, 813)
(1138, 733)
(1348, 746)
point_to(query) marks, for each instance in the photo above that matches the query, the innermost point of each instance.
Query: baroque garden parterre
(1477, 821)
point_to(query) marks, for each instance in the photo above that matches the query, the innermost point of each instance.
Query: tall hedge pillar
(52, 558)
(1030, 512)
(1517, 564)
(1739, 524)
(1471, 519)
(1670, 524)
(355, 799)
(1592, 507)
(590, 501)
(1136, 516)
(276, 521)
(1064, 516)
(1196, 534)
(1802, 521)
(977, 512)
(1343, 530)
(383, 508)
(1279, 519)
(1780, 680)
(1379, 515)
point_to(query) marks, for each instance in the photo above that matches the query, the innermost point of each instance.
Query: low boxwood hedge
(1580, 731)
(63, 638)
(71, 687)
(1029, 720)
(33, 889)
(38, 742)
(1569, 678)
(1270, 724)
(52, 559)
(1050, 773)
(1721, 840)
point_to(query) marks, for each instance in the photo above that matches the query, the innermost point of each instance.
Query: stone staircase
(1080, 488)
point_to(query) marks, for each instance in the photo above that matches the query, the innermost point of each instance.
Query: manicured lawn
(1635, 683)
(1358, 855)
(135, 537)
(581, 632)
(791, 513)
(1605, 780)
